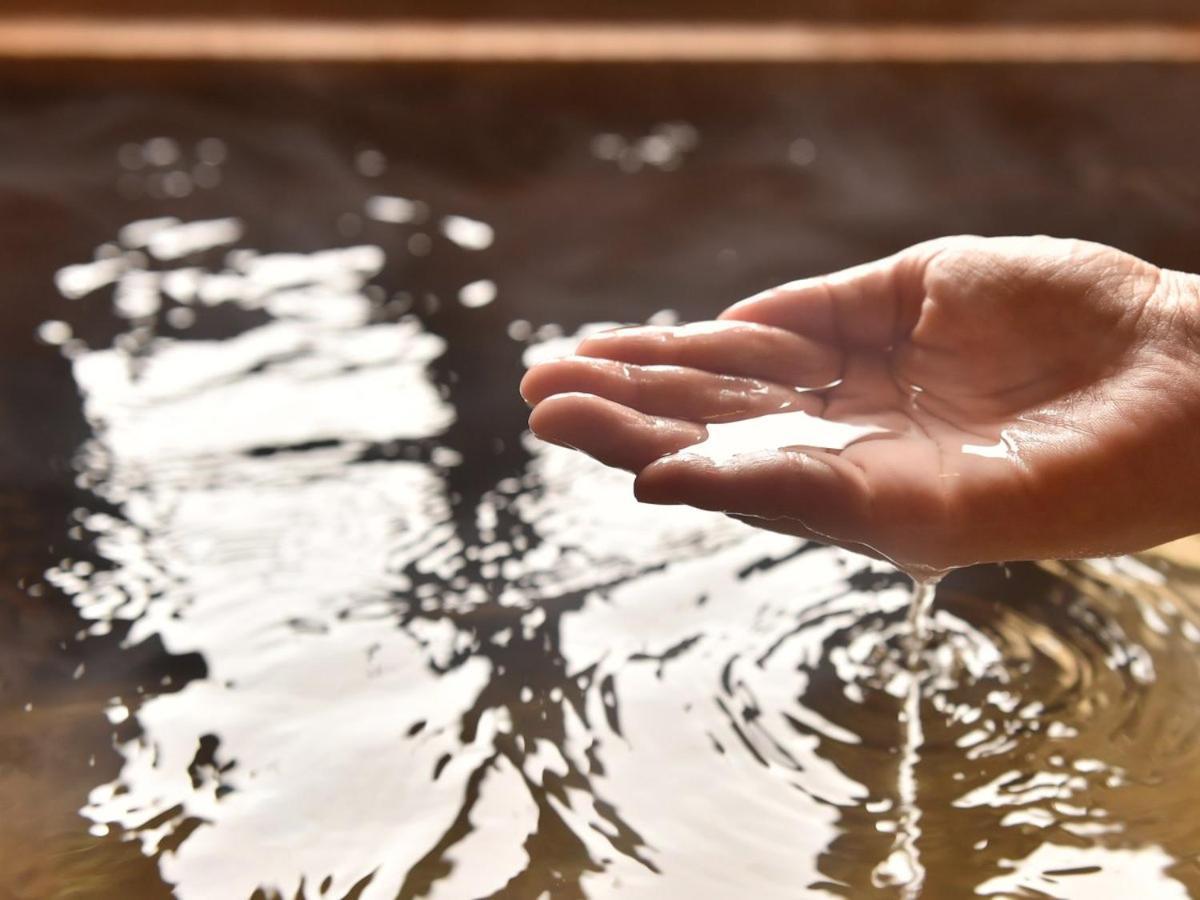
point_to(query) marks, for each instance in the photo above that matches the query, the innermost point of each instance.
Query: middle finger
(676, 391)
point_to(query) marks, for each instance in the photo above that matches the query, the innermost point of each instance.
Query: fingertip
(538, 417)
(743, 310)
(737, 312)
(649, 489)
(666, 481)
(610, 432)
(528, 388)
(651, 496)
(561, 414)
(602, 343)
(550, 378)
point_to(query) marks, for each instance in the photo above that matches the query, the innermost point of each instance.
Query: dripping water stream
(902, 868)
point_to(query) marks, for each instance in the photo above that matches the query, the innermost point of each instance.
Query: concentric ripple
(1048, 723)
(427, 674)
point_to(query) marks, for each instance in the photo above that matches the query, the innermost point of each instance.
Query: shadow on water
(319, 618)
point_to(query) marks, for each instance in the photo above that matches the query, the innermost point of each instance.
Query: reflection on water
(543, 689)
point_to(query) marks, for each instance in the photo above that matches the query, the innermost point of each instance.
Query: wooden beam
(399, 41)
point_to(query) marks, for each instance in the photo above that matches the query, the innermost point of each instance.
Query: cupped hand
(1031, 398)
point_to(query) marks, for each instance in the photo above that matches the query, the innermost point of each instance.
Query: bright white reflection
(277, 568)
(396, 210)
(470, 234)
(1088, 873)
(477, 293)
(448, 696)
(729, 440)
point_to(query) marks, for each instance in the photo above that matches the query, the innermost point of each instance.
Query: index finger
(869, 306)
(724, 348)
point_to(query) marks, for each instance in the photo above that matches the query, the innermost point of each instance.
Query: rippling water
(546, 689)
(417, 653)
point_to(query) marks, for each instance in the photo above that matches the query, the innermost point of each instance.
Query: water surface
(318, 618)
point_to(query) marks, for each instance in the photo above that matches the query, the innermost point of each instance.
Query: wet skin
(1039, 398)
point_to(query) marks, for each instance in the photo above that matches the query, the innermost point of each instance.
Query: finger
(725, 348)
(674, 391)
(823, 492)
(614, 434)
(866, 306)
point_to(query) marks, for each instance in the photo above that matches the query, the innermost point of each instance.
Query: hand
(1038, 398)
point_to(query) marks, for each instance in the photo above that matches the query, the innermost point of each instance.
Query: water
(570, 693)
(920, 606)
(320, 619)
(902, 867)
(724, 443)
(728, 440)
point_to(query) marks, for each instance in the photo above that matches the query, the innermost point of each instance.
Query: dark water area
(292, 605)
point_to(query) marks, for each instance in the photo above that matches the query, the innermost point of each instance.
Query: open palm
(1030, 397)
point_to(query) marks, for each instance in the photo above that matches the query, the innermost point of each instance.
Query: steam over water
(542, 688)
